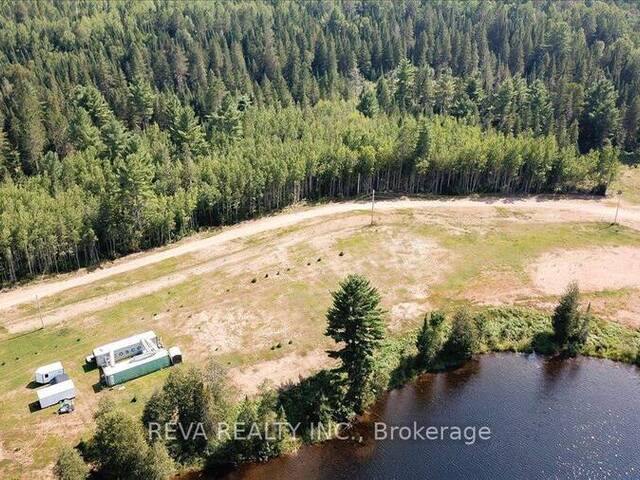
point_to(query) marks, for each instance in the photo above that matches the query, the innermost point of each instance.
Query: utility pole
(39, 311)
(373, 203)
(615, 221)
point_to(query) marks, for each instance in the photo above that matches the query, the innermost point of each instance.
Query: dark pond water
(548, 419)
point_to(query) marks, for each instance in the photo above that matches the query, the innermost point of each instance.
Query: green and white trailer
(135, 367)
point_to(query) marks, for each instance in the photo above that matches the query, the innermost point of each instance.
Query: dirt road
(571, 209)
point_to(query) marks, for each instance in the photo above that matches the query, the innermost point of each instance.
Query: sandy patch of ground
(622, 306)
(284, 370)
(4, 455)
(218, 331)
(498, 288)
(629, 315)
(594, 269)
(402, 313)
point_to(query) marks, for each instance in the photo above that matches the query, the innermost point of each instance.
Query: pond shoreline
(548, 374)
(441, 369)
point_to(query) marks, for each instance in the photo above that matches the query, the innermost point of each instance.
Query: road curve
(581, 208)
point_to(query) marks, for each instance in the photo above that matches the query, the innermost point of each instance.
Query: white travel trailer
(55, 393)
(46, 373)
(109, 354)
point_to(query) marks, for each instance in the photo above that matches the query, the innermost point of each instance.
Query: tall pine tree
(355, 323)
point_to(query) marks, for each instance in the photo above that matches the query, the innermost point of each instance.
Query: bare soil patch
(629, 314)
(594, 269)
(290, 368)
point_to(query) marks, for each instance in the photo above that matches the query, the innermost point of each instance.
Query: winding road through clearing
(568, 208)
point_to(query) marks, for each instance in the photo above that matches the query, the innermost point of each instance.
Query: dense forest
(125, 125)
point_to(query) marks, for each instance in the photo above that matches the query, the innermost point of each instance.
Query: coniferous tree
(133, 191)
(570, 326)
(83, 133)
(462, 343)
(430, 338)
(566, 313)
(186, 131)
(444, 94)
(405, 85)
(383, 95)
(632, 125)
(541, 109)
(142, 100)
(227, 121)
(368, 103)
(27, 126)
(600, 116)
(355, 323)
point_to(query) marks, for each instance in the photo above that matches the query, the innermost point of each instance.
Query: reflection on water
(549, 419)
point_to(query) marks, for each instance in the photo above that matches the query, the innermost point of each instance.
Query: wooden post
(615, 220)
(373, 202)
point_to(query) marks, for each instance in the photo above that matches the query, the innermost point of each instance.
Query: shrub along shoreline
(370, 365)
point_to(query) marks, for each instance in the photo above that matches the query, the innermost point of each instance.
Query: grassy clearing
(511, 247)
(419, 261)
(106, 286)
(20, 356)
(629, 182)
(485, 257)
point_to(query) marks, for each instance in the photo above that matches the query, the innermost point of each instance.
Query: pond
(577, 418)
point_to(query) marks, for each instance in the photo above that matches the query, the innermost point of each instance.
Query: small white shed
(46, 373)
(53, 394)
(176, 355)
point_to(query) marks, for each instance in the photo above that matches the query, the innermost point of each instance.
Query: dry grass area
(628, 182)
(258, 305)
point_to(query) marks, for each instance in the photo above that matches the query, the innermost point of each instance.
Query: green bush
(190, 396)
(273, 438)
(70, 465)
(119, 449)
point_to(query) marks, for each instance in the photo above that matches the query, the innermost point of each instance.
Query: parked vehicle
(66, 406)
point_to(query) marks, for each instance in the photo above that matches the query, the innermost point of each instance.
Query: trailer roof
(133, 362)
(49, 368)
(123, 343)
(54, 389)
